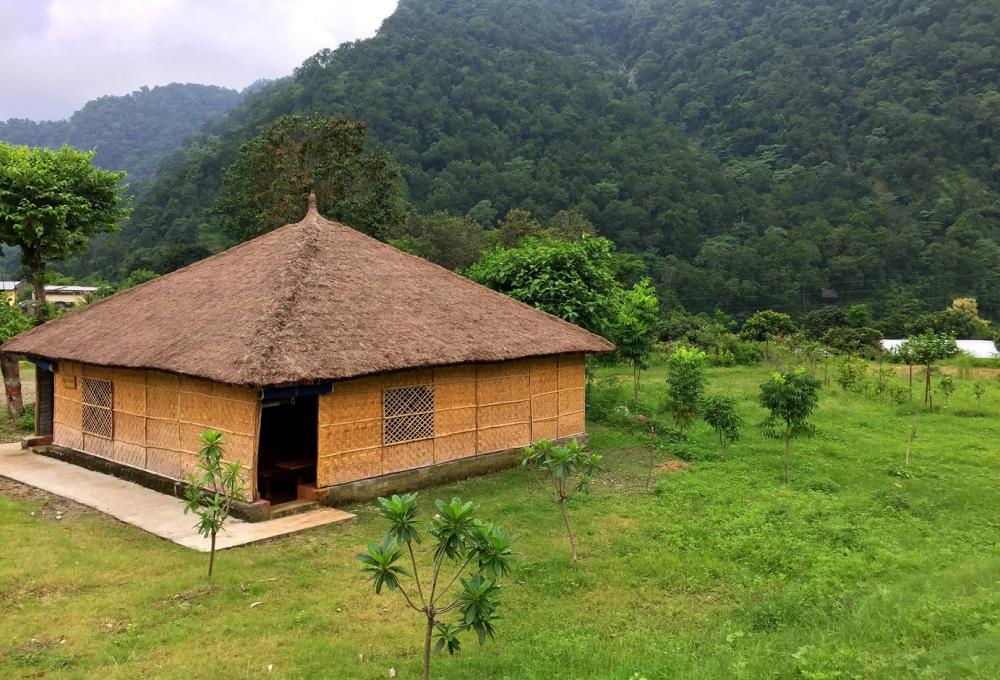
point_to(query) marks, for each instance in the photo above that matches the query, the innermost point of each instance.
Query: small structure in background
(9, 290)
(57, 295)
(828, 296)
(338, 367)
(980, 349)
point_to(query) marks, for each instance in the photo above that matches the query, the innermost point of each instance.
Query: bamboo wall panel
(349, 443)
(478, 409)
(504, 437)
(572, 398)
(348, 467)
(454, 446)
(166, 462)
(455, 420)
(407, 455)
(158, 419)
(544, 429)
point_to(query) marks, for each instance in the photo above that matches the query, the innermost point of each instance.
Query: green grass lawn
(859, 567)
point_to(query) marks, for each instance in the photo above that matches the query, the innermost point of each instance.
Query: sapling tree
(650, 428)
(925, 349)
(722, 416)
(979, 391)
(634, 326)
(213, 489)
(790, 398)
(468, 557)
(904, 353)
(565, 470)
(685, 384)
(947, 387)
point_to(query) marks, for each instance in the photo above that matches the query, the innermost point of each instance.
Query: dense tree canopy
(130, 132)
(751, 153)
(269, 183)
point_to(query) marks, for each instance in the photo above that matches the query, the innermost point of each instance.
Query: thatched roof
(310, 302)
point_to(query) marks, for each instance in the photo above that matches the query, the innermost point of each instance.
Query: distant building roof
(981, 349)
(51, 288)
(8, 285)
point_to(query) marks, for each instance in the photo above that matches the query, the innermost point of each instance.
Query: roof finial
(312, 202)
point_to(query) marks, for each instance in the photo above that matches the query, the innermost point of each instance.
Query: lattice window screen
(408, 414)
(98, 401)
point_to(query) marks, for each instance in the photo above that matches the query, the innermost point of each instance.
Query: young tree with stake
(211, 492)
(462, 545)
(927, 348)
(566, 470)
(790, 397)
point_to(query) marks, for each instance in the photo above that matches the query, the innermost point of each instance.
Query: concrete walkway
(149, 510)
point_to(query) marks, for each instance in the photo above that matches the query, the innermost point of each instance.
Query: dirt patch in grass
(51, 507)
(186, 598)
(39, 652)
(672, 466)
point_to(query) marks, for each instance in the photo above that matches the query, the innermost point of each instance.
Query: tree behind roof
(269, 183)
(51, 204)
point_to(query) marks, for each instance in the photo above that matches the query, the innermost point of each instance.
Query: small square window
(408, 414)
(98, 402)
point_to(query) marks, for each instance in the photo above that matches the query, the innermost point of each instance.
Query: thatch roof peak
(309, 302)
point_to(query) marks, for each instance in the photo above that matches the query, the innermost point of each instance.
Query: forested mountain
(132, 132)
(752, 152)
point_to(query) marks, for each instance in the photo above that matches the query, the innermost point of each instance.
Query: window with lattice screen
(408, 414)
(98, 402)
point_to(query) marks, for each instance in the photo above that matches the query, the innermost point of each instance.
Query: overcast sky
(55, 55)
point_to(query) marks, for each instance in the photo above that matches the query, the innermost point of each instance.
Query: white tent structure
(981, 349)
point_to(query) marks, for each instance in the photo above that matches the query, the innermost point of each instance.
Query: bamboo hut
(336, 366)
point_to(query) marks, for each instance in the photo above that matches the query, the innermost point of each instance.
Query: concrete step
(292, 508)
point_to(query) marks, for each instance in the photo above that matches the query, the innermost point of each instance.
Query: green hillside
(753, 152)
(132, 132)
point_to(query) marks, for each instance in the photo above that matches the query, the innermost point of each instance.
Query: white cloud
(55, 55)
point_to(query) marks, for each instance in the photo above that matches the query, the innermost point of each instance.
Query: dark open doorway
(286, 458)
(44, 397)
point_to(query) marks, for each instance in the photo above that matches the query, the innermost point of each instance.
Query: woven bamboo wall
(158, 418)
(477, 410)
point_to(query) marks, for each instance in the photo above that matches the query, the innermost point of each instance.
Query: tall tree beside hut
(572, 280)
(51, 204)
(12, 322)
(268, 184)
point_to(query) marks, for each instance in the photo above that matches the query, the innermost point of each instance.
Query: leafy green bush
(728, 350)
(721, 414)
(851, 374)
(608, 402)
(767, 325)
(685, 384)
(790, 398)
